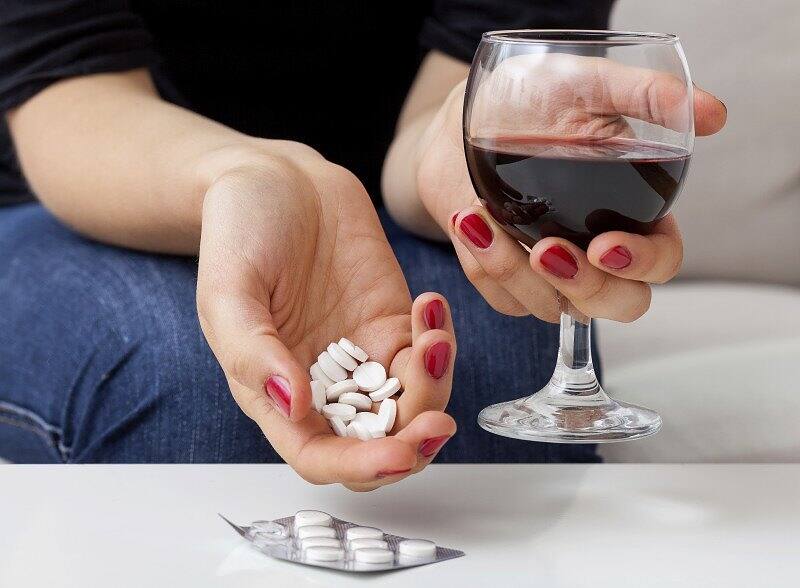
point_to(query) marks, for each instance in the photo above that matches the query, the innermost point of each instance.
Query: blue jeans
(102, 358)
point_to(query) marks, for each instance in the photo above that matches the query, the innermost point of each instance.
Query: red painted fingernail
(430, 446)
(453, 219)
(436, 359)
(476, 230)
(559, 262)
(387, 473)
(616, 258)
(434, 314)
(281, 393)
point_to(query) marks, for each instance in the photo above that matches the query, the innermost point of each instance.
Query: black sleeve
(455, 26)
(43, 41)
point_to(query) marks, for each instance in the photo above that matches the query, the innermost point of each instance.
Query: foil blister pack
(318, 539)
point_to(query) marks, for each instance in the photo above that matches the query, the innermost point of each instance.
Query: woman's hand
(292, 257)
(611, 278)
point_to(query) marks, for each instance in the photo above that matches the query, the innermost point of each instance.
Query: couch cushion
(718, 361)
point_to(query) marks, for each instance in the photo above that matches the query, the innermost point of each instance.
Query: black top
(330, 74)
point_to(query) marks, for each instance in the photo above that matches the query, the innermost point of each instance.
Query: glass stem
(574, 374)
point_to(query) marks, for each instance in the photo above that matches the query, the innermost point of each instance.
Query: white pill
(372, 422)
(363, 533)
(417, 548)
(337, 389)
(358, 431)
(364, 543)
(315, 531)
(304, 518)
(374, 555)
(317, 374)
(332, 369)
(390, 387)
(360, 401)
(324, 553)
(338, 426)
(370, 376)
(320, 542)
(345, 412)
(353, 349)
(318, 395)
(387, 413)
(366, 418)
(341, 357)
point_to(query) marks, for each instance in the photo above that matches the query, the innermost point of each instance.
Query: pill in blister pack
(315, 538)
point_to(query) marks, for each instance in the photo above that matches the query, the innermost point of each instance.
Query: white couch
(718, 352)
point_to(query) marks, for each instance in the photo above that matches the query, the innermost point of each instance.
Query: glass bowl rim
(578, 37)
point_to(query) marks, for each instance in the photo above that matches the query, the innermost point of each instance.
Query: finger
(654, 258)
(710, 113)
(654, 96)
(505, 262)
(494, 294)
(594, 292)
(427, 377)
(426, 434)
(430, 311)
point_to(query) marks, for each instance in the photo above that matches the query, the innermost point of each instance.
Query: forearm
(399, 179)
(421, 118)
(113, 160)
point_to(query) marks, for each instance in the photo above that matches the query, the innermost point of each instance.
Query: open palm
(293, 257)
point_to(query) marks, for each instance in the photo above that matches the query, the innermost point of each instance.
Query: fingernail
(430, 446)
(387, 473)
(617, 257)
(559, 262)
(476, 230)
(436, 359)
(453, 219)
(434, 314)
(281, 393)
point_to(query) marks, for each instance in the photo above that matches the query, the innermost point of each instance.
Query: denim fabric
(102, 358)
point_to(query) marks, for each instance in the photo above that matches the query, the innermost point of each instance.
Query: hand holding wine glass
(558, 95)
(577, 144)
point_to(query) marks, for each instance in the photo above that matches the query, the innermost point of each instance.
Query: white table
(530, 525)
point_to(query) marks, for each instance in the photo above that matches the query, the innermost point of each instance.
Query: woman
(244, 136)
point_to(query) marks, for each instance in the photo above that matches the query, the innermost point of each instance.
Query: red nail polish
(559, 262)
(616, 258)
(430, 446)
(434, 314)
(281, 393)
(453, 219)
(436, 359)
(476, 230)
(387, 473)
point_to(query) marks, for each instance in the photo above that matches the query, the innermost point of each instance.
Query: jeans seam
(28, 420)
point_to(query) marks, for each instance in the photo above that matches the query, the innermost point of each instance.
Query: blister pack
(315, 538)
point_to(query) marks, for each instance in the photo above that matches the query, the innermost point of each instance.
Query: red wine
(575, 189)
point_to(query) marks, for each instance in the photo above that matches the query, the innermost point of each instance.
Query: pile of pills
(345, 387)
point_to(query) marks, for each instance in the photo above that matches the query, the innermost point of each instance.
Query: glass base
(553, 415)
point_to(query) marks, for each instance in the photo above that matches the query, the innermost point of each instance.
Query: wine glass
(571, 134)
